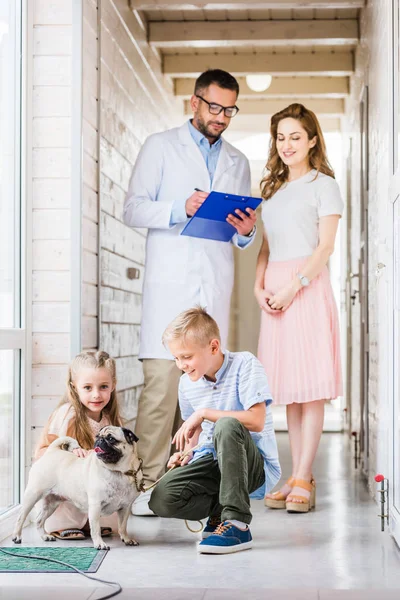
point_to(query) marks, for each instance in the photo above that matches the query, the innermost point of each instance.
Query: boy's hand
(177, 461)
(174, 460)
(187, 430)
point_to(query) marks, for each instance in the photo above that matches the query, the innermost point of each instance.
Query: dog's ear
(130, 436)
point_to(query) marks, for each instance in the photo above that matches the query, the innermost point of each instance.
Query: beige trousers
(158, 415)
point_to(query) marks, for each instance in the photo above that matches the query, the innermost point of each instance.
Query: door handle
(354, 297)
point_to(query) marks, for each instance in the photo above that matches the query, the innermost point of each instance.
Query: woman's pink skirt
(300, 348)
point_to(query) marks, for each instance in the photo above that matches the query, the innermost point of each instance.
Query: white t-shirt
(291, 216)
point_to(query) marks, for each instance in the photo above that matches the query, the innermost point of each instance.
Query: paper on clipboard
(209, 221)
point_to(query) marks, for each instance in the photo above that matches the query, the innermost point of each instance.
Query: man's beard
(203, 128)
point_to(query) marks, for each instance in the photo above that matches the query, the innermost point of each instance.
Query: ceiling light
(259, 83)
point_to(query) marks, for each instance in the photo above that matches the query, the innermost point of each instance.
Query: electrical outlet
(133, 273)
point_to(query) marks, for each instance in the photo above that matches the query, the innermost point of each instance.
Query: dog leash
(183, 455)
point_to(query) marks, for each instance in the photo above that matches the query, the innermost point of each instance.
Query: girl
(90, 403)
(299, 336)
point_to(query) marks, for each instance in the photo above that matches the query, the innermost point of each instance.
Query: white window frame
(16, 338)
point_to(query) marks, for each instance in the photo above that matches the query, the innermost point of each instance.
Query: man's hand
(187, 430)
(194, 202)
(80, 452)
(247, 222)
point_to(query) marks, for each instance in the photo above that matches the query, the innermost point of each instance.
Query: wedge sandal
(277, 499)
(302, 504)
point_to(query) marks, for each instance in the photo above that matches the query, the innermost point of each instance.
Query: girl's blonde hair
(277, 171)
(80, 425)
(194, 324)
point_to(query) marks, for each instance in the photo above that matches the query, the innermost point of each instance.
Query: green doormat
(85, 559)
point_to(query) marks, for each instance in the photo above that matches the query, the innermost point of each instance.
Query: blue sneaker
(226, 539)
(210, 527)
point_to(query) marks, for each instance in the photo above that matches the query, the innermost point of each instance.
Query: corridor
(85, 83)
(336, 552)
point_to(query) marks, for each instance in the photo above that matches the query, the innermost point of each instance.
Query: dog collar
(132, 473)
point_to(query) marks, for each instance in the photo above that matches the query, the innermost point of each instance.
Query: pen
(197, 190)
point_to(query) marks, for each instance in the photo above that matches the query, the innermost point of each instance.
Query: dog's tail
(64, 443)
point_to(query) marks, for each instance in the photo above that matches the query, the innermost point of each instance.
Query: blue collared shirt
(210, 153)
(240, 383)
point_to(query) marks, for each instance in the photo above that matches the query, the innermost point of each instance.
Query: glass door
(11, 331)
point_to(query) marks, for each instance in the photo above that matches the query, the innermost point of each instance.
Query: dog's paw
(130, 542)
(102, 546)
(48, 538)
(16, 539)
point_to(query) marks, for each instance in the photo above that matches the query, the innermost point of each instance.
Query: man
(172, 177)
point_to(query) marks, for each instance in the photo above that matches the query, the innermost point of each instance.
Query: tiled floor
(74, 593)
(334, 553)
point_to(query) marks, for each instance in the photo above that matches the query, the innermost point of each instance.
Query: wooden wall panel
(135, 101)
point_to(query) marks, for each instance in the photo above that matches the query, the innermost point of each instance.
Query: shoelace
(222, 528)
(214, 521)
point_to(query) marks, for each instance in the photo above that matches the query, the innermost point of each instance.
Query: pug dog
(106, 481)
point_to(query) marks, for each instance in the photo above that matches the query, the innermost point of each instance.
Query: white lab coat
(181, 271)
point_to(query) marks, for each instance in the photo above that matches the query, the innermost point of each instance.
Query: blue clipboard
(209, 221)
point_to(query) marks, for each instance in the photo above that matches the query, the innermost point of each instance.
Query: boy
(224, 399)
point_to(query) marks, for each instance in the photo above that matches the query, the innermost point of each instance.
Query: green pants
(209, 487)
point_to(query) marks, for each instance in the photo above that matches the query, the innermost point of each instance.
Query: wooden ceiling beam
(328, 106)
(204, 34)
(242, 5)
(301, 64)
(254, 124)
(281, 87)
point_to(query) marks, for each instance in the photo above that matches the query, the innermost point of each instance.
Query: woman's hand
(187, 430)
(80, 452)
(263, 297)
(283, 299)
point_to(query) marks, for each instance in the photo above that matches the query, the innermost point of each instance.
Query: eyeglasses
(216, 109)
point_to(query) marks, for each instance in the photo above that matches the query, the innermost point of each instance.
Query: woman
(299, 336)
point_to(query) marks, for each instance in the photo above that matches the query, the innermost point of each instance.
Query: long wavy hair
(277, 173)
(80, 425)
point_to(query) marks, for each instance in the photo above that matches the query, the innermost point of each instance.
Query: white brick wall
(51, 198)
